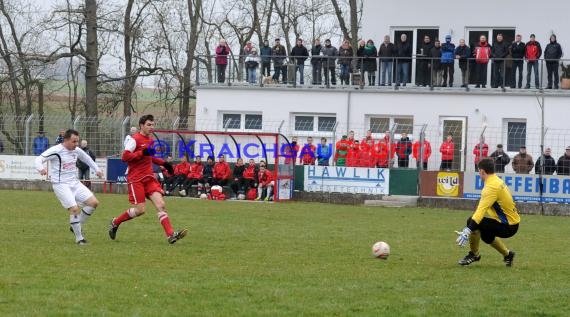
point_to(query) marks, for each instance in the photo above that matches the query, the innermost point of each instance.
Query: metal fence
(394, 72)
(105, 135)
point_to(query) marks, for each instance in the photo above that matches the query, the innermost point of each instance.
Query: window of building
(516, 134)
(306, 123)
(327, 124)
(383, 124)
(241, 121)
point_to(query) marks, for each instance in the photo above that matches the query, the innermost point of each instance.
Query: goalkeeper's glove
(168, 167)
(463, 236)
(148, 151)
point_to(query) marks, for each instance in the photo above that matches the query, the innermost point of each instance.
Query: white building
(511, 117)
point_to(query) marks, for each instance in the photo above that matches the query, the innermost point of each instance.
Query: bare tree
(354, 8)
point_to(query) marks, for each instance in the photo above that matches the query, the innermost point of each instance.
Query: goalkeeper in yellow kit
(496, 217)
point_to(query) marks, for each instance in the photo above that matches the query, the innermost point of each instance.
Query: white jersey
(62, 168)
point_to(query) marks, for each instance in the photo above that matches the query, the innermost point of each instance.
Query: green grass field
(262, 259)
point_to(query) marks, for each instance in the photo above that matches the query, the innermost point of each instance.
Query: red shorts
(139, 191)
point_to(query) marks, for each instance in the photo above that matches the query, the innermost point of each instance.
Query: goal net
(271, 148)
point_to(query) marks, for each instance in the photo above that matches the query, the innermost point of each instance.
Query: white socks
(86, 212)
(75, 224)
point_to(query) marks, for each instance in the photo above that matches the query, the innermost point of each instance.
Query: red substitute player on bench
(142, 184)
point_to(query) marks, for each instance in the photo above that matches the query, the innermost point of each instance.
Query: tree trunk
(91, 72)
(194, 10)
(127, 85)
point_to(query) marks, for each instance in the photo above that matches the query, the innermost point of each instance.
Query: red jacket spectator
(290, 152)
(416, 150)
(447, 149)
(380, 152)
(222, 170)
(308, 158)
(222, 52)
(533, 51)
(342, 150)
(480, 151)
(182, 168)
(249, 172)
(265, 177)
(195, 170)
(366, 157)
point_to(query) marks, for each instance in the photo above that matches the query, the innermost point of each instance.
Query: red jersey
(222, 170)
(290, 153)
(195, 171)
(308, 158)
(182, 168)
(447, 148)
(140, 166)
(416, 150)
(265, 177)
(480, 151)
(249, 172)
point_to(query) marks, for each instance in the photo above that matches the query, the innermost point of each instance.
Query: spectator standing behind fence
(448, 61)
(480, 151)
(549, 163)
(435, 64)
(499, 52)
(82, 167)
(552, 55)
(342, 150)
(329, 64)
(279, 57)
(563, 165)
(463, 53)
(404, 49)
(386, 52)
(447, 150)
(323, 153)
(265, 53)
(369, 64)
(518, 49)
(523, 162)
(60, 136)
(300, 54)
(222, 51)
(424, 72)
(309, 151)
(501, 159)
(360, 55)
(425, 155)
(345, 54)
(251, 64)
(1, 146)
(41, 143)
(533, 51)
(403, 150)
(482, 53)
(317, 62)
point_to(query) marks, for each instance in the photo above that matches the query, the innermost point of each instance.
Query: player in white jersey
(66, 186)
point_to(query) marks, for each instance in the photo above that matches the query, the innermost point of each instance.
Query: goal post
(273, 148)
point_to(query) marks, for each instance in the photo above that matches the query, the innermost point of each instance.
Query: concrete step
(409, 199)
(389, 203)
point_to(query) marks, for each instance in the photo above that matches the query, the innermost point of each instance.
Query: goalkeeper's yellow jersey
(496, 202)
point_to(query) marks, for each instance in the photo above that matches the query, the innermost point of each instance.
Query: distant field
(263, 259)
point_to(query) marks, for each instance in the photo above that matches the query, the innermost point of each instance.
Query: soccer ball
(381, 250)
(203, 196)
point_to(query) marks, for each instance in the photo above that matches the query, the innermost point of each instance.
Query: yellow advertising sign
(447, 184)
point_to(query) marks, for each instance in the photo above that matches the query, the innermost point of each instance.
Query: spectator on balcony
(299, 53)
(403, 150)
(549, 163)
(482, 54)
(266, 52)
(563, 165)
(222, 52)
(518, 49)
(463, 53)
(480, 151)
(317, 62)
(423, 62)
(533, 51)
(499, 52)
(523, 162)
(345, 54)
(501, 159)
(552, 55)
(60, 136)
(447, 150)
(386, 52)
(435, 64)
(248, 48)
(330, 54)
(41, 143)
(1, 146)
(360, 55)
(447, 61)
(425, 154)
(369, 64)
(404, 53)
(279, 57)
(251, 64)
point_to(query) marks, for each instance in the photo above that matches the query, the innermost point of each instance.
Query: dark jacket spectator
(447, 51)
(316, 54)
(463, 53)
(370, 53)
(404, 52)
(266, 52)
(553, 50)
(501, 159)
(41, 143)
(523, 162)
(279, 55)
(563, 165)
(300, 54)
(387, 51)
(345, 55)
(499, 50)
(518, 50)
(435, 57)
(549, 164)
(331, 53)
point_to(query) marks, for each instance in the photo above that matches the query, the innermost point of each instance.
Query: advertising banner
(441, 184)
(524, 187)
(361, 180)
(19, 167)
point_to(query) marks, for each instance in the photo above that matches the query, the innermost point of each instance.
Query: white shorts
(71, 194)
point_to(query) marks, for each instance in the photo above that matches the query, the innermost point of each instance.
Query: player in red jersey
(138, 154)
